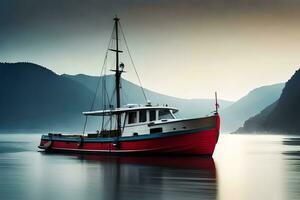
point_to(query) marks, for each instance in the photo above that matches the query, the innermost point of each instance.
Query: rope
(98, 84)
(133, 63)
(104, 99)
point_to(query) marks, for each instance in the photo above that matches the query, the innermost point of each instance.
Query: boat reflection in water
(152, 177)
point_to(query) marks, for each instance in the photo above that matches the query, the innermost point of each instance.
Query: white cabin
(137, 119)
(147, 119)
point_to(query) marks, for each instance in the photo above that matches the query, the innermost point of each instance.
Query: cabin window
(143, 116)
(152, 115)
(132, 118)
(165, 114)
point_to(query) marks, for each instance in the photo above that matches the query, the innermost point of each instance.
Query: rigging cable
(103, 97)
(133, 63)
(98, 83)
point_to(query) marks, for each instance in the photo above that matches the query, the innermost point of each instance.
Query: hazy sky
(182, 48)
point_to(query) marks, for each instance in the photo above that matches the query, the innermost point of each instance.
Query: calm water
(243, 167)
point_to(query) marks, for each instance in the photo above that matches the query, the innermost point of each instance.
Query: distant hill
(34, 98)
(283, 115)
(255, 101)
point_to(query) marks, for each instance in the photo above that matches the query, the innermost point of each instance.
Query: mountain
(132, 93)
(33, 98)
(282, 116)
(255, 101)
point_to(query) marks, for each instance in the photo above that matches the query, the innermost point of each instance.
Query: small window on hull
(155, 130)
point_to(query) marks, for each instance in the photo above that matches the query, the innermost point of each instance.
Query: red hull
(193, 142)
(203, 142)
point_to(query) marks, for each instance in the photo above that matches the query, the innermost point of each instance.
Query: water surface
(243, 167)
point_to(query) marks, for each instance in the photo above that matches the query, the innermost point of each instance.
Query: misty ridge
(283, 115)
(35, 99)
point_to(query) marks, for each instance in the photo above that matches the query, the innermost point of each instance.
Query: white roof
(128, 109)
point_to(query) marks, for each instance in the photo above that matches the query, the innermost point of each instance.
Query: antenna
(216, 104)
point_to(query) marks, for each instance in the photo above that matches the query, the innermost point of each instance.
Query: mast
(118, 73)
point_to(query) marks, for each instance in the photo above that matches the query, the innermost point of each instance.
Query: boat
(138, 128)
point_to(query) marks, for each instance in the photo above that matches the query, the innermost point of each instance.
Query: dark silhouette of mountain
(34, 98)
(255, 101)
(283, 115)
(132, 93)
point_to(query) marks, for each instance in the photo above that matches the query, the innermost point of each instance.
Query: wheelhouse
(136, 118)
(139, 116)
